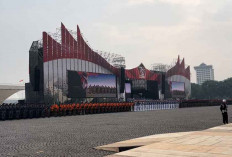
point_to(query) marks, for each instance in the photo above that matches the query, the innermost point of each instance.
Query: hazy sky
(148, 31)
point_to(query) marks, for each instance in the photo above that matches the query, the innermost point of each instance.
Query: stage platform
(213, 142)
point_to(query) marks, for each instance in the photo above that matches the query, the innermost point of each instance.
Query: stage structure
(63, 68)
(69, 55)
(159, 67)
(178, 78)
(142, 82)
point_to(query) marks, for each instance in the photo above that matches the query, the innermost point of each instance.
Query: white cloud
(139, 2)
(197, 37)
(145, 31)
(183, 2)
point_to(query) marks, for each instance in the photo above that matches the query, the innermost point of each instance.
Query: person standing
(223, 109)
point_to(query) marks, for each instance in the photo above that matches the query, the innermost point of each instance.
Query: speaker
(152, 90)
(36, 66)
(163, 84)
(21, 102)
(122, 80)
(36, 79)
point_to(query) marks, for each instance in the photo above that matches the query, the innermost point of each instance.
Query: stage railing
(202, 103)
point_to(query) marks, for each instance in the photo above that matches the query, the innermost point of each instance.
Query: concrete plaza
(213, 142)
(79, 135)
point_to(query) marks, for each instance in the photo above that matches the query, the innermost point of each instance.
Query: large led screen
(177, 86)
(90, 85)
(139, 85)
(128, 87)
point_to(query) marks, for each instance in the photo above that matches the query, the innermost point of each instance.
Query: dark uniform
(223, 109)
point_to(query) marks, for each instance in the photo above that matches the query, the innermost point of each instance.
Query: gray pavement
(77, 135)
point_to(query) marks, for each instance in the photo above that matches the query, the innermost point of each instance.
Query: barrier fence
(155, 105)
(202, 103)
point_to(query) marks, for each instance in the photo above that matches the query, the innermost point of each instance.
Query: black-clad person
(223, 109)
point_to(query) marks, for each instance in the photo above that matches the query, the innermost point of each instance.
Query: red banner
(71, 45)
(67, 36)
(82, 48)
(75, 49)
(59, 55)
(54, 49)
(141, 72)
(63, 41)
(45, 45)
(50, 57)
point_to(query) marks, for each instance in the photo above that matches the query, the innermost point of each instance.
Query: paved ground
(77, 135)
(213, 142)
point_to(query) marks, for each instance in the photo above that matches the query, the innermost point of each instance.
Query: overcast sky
(147, 31)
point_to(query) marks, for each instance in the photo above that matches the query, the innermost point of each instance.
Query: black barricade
(201, 103)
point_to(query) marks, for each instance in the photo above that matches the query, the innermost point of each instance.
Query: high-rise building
(204, 72)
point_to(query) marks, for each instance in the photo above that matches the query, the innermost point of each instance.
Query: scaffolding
(114, 59)
(160, 67)
(57, 35)
(164, 67)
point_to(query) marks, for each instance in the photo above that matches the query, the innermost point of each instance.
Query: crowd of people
(17, 111)
(23, 111)
(146, 105)
(91, 108)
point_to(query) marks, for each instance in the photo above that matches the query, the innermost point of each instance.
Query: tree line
(212, 90)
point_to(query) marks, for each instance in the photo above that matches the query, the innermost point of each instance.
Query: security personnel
(223, 109)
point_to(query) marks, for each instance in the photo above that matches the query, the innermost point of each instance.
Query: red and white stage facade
(180, 74)
(74, 54)
(68, 54)
(141, 73)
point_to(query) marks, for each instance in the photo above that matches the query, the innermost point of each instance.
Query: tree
(212, 90)
(196, 91)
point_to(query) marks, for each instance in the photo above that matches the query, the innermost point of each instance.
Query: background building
(204, 72)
